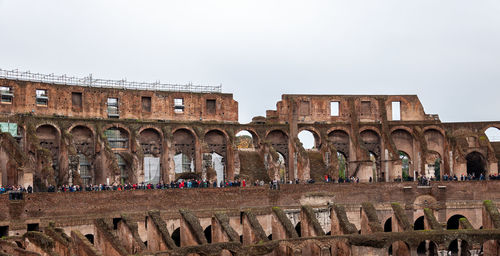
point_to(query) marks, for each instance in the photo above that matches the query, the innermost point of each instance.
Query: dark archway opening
(270, 237)
(90, 237)
(388, 225)
(297, 228)
(427, 248)
(476, 164)
(454, 221)
(419, 224)
(454, 248)
(176, 236)
(208, 233)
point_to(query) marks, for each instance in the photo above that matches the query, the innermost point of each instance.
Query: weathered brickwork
(63, 135)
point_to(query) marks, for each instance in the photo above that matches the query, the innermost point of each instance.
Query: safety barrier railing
(105, 83)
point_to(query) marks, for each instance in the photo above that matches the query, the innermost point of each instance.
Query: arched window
(117, 138)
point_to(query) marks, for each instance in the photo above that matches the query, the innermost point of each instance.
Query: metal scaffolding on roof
(105, 83)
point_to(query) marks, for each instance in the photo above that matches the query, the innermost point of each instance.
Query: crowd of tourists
(195, 183)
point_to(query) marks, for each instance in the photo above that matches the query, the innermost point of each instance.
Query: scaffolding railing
(105, 83)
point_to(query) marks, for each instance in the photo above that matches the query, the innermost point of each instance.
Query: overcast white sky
(446, 51)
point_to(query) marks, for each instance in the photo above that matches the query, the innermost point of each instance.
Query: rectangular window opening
(113, 110)
(42, 97)
(33, 227)
(179, 105)
(334, 108)
(115, 223)
(4, 231)
(146, 104)
(76, 100)
(211, 107)
(6, 94)
(396, 111)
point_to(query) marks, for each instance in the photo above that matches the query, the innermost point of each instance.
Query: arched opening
(90, 237)
(343, 172)
(427, 247)
(340, 139)
(117, 138)
(476, 164)
(454, 221)
(388, 225)
(308, 139)
(208, 233)
(459, 247)
(297, 228)
(279, 141)
(83, 141)
(151, 145)
(270, 237)
(419, 223)
(399, 248)
(176, 236)
(48, 137)
(493, 134)
(245, 140)
(371, 142)
(214, 161)
(184, 148)
(405, 166)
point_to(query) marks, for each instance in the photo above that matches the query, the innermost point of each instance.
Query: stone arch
(427, 247)
(454, 221)
(255, 140)
(90, 237)
(49, 138)
(371, 141)
(151, 140)
(403, 140)
(184, 147)
(340, 140)
(431, 159)
(298, 229)
(279, 141)
(208, 233)
(399, 248)
(176, 236)
(215, 155)
(118, 137)
(419, 223)
(83, 139)
(435, 140)
(315, 133)
(459, 247)
(216, 141)
(388, 225)
(84, 143)
(476, 164)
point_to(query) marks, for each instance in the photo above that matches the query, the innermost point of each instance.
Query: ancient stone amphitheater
(59, 130)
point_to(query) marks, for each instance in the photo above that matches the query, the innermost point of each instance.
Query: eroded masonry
(59, 134)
